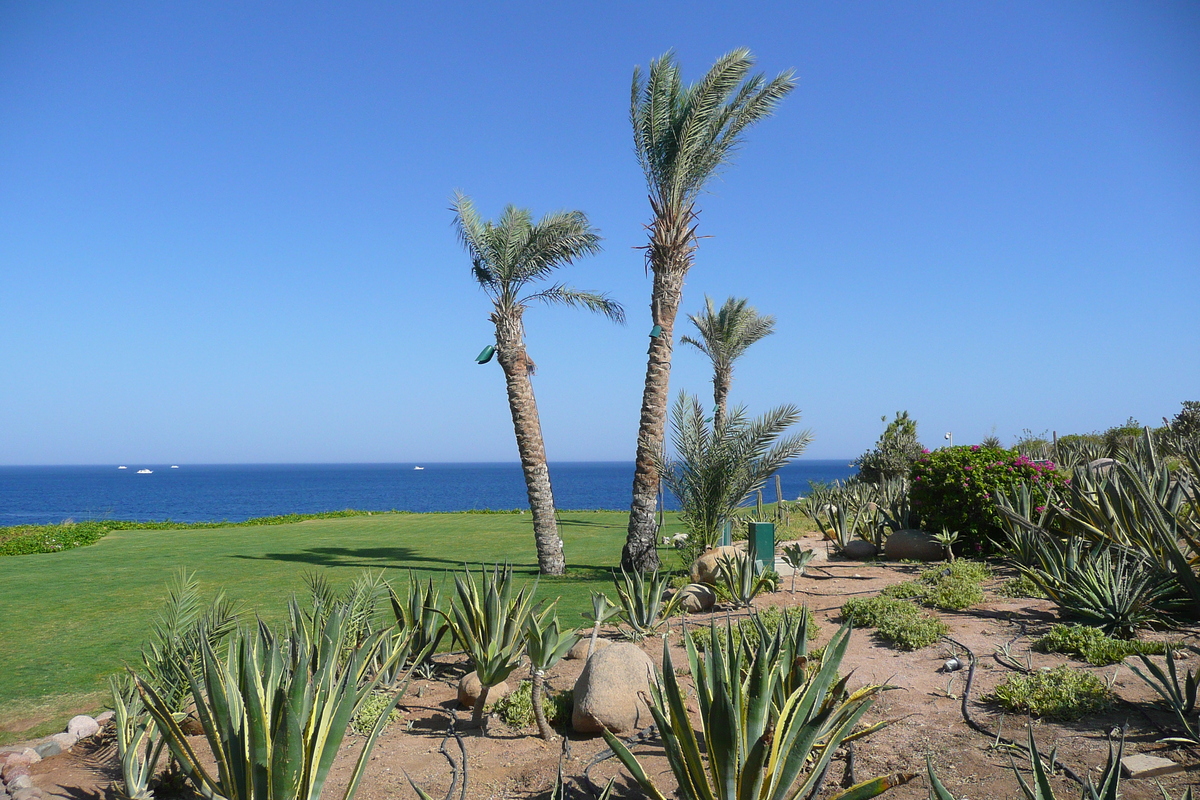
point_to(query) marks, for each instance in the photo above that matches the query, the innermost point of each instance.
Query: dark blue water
(234, 492)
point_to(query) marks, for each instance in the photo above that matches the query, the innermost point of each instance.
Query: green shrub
(1093, 645)
(909, 590)
(516, 708)
(868, 612)
(963, 568)
(1060, 694)
(951, 588)
(912, 633)
(364, 721)
(1021, 586)
(745, 629)
(953, 594)
(953, 487)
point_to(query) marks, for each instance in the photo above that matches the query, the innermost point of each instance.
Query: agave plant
(1180, 698)
(419, 615)
(602, 611)
(798, 558)
(489, 621)
(742, 578)
(139, 744)
(1042, 789)
(642, 605)
(275, 710)
(754, 749)
(546, 644)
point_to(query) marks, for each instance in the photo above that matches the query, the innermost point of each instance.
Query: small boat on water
(174, 466)
(122, 467)
(418, 468)
(145, 472)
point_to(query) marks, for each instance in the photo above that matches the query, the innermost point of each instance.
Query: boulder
(913, 546)
(14, 771)
(705, 568)
(470, 687)
(580, 651)
(611, 691)
(103, 717)
(24, 758)
(860, 550)
(21, 782)
(82, 726)
(1101, 466)
(697, 597)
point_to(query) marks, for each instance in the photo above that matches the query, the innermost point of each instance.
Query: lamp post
(950, 436)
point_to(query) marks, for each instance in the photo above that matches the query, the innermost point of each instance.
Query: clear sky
(224, 233)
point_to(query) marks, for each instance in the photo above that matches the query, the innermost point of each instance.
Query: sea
(236, 492)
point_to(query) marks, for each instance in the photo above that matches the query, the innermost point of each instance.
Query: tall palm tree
(506, 257)
(683, 134)
(725, 336)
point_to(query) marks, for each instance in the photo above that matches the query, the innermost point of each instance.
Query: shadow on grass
(406, 557)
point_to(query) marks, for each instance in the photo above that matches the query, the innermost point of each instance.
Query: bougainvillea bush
(953, 488)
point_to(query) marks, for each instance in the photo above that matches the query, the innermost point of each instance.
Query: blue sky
(224, 233)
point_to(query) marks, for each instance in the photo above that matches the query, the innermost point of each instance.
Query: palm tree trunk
(640, 552)
(722, 378)
(517, 366)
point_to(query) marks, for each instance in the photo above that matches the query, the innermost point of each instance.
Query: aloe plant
(546, 644)
(489, 621)
(642, 604)
(139, 744)
(742, 578)
(798, 558)
(275, 710)
(754, 749)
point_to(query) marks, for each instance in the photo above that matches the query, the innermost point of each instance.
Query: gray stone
(469, 689)
(48, 748)
(913, 545)
(65, 740)
(697, 597)
(28, 794)
(1101, 466)
(860, 550)
(580, 651)
(82, 726)
(1144, 766)
(611, 691)
(20, 782)
(705, 568)
(103, 717)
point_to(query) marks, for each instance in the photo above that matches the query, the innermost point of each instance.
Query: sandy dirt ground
(925, 710)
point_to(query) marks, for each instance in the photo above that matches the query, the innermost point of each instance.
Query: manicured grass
(71, 619)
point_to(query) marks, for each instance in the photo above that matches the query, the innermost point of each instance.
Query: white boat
(145, 472)
(122, 467)
(418, 468)
(174, 466)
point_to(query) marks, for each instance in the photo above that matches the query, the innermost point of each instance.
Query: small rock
(469, 689)
(103, 717)
(82, 726)
(28, 794)
(1144, 766)
(48, 748)
(24, 758)
(65, 740)
(14, 771)
(20, 782)
(859, 550)
(580, 651)
(697, 597)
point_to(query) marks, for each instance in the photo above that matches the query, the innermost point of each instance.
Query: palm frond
(580, 298)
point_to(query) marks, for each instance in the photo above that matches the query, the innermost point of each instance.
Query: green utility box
(762, 544)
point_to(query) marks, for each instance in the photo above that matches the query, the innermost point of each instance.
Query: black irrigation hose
(647, 735)
(994, 735)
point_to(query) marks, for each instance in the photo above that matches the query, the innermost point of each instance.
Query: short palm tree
(506, 257)
(683, 135)
(725, 336)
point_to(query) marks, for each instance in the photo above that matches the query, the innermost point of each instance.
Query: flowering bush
(954, 487)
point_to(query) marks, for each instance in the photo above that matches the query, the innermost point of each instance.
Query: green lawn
(70, 619)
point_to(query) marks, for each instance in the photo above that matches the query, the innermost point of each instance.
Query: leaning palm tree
(506, 257)
(683, 134)
(725, 336)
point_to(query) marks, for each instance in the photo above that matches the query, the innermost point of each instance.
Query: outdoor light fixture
(950, 436)
(656, 332)
(485, 355)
